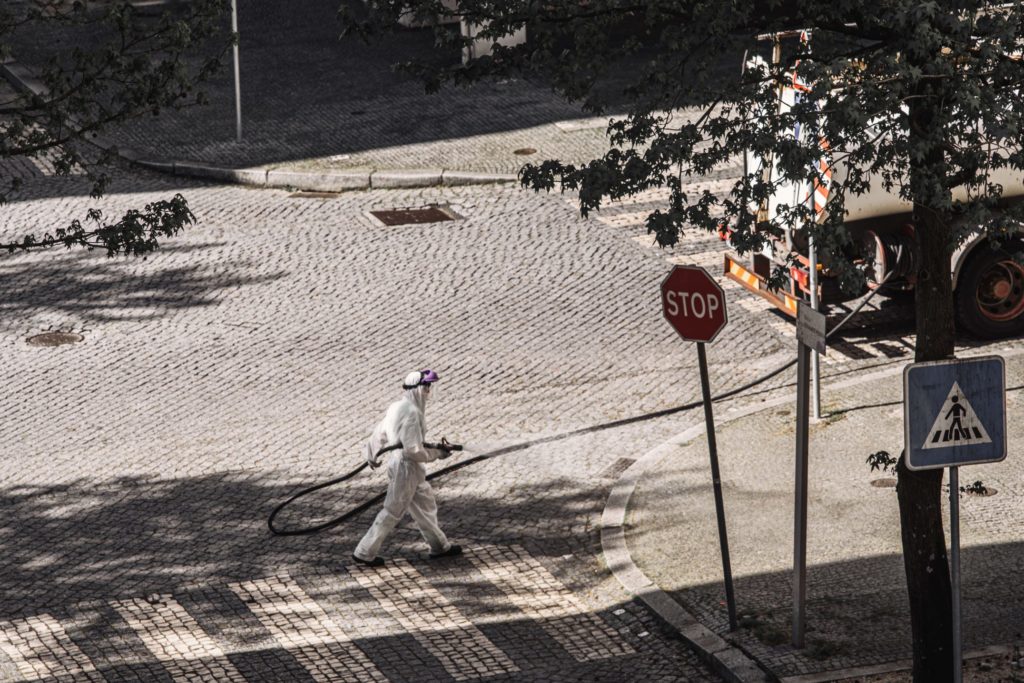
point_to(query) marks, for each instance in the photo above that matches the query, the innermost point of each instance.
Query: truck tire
(989, 296)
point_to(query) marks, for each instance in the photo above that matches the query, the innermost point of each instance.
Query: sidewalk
(857, 608)
(333, 112)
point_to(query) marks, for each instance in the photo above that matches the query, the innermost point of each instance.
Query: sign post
(954, 414)
(816, 356)
(954, 562)
(810, 334)
(694, 305)
(238, 85)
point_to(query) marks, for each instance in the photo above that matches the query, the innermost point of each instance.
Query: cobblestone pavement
(251, 356)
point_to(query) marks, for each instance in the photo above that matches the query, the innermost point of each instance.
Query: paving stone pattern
(544, 599)
(301, 625)
(53, 651)
(175, 639)
(250, 356)
(300, 628)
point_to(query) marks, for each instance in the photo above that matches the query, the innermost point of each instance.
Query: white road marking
(546, 600)
(463, 650)
(297, 622)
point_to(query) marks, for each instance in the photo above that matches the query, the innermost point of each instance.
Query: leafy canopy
(99, 64)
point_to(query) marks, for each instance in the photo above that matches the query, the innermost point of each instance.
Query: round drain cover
(525, 151)
(54, 338)
(886, 483)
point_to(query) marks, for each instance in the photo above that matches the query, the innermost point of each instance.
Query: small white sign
(810, 327)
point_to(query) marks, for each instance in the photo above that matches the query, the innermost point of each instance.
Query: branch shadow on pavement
(857, 612)
(86, 543)
(88, 287)
(98, 539)
(72, 551)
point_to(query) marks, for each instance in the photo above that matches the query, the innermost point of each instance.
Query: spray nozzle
(445, 446)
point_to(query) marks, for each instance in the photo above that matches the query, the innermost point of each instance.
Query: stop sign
(693, 303)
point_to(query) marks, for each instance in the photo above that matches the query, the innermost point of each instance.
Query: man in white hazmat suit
(403, 429)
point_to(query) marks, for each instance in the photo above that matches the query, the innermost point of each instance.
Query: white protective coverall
(408, 490)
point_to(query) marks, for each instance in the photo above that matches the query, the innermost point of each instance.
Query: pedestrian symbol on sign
(956, 424)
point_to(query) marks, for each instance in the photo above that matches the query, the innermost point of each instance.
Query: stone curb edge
(725, 659)
(312, 181)
(320, 181)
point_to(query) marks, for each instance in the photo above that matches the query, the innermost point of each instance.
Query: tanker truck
(988, 283)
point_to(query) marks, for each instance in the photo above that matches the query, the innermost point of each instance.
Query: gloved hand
(446, 448)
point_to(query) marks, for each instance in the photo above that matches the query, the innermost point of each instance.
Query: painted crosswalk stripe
(655, 195)
(705, 259)
(41, 649)
(546, 600)
(299, 624)
(177, 640)
(661, 195)
(464, 651)
(623, 220)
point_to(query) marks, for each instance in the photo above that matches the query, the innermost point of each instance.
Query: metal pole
(238, 84)
(954, 542)
(812, 254)
(800, 511)
(716, 479)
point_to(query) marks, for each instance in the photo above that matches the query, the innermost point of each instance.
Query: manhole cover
(429, 214)
(525, 151)
(886, 483)
(54, 338)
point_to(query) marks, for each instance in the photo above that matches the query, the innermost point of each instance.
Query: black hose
(535, 442)
(319, 527)
(484, 456)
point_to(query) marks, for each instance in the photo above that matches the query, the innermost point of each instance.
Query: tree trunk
(920, 493)
(928, 586)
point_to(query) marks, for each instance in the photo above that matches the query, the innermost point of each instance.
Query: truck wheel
(989, 296)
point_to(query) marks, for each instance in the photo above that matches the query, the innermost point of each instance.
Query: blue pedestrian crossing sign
(954, 412)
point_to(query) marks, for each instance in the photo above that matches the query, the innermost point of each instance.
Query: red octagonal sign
(693, 303)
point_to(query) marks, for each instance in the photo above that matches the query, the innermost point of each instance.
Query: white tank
(877, 201)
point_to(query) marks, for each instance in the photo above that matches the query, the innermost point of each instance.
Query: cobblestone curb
(321, 181)
(724, 658)
(315, 181)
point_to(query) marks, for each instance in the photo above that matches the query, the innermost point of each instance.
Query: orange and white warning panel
(738, 272)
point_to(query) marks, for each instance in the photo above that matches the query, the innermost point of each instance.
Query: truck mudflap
(737, 271)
